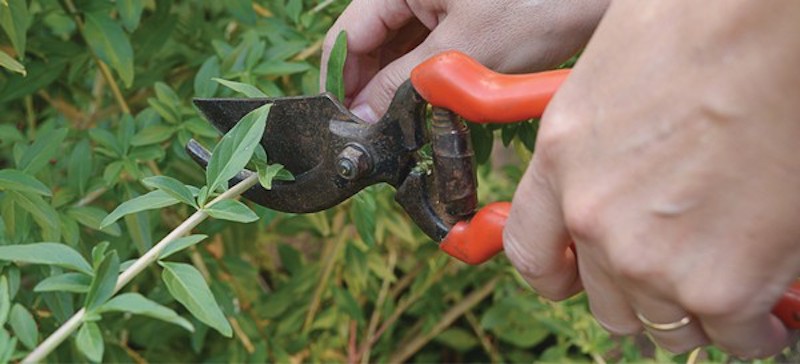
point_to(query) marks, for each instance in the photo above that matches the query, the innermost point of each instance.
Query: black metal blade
(297, 127)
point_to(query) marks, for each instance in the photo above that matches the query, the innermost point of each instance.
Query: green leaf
(15, 20)
(235, 149)
(12, 179)
(363, 214)
(166, 95)
(153, 134)
(99, 253)
(103, 283)
(503, 320)
(67, 282)
(171, 186)
(345, 301)
(139, 305)
(527, 134)
(8, 345)
(457, 338)
(243, 88)
(5, 300)
(166, 111)
(125, 131)
(204, 85)
(231, 210)
(130, 12)
(269, 173)
(186, 284)
(11, 64)
(46, 253)
(39, 75)
(106, 139)
(70, 231)
(334, 83)
(90, 341)
(110, 43)
(44, 148)
(294, 8)
(202, 196)
(280, 68)
(180, 244)
(482, 142)
(24, 326)
(112, 173)
(80, 166)
(44, 214)
(152, 200)
(92, 217)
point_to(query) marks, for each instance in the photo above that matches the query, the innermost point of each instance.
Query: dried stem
(51, 343)
(330, 262)
(494, 355)
(409, 349)
(403, 306)
(376, 313)
(123, 105)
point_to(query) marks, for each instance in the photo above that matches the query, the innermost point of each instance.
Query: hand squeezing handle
(454, 81)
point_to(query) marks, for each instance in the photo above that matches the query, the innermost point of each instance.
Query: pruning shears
(334, 155)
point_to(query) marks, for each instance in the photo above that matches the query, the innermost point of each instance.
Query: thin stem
(405, 305)
(494, 355)
(330, 263)
(123, 105)
(51, 343)
(321, 6)
(376, 313)
(411, 348)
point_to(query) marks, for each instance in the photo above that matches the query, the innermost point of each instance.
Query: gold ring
(669, 326)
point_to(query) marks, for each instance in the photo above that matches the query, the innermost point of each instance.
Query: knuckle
(632, 265)
(558, 127)
(583, 216)
(713, 301)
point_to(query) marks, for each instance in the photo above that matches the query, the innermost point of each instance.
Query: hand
(387, 38)
(670, 159)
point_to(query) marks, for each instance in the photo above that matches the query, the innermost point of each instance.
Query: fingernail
(364, 112)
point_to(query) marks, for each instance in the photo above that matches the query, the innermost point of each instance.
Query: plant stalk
(56, 338)
(409, 349)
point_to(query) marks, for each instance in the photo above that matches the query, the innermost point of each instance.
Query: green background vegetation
(95, 97)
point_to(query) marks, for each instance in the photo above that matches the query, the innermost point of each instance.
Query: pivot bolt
(353, 162)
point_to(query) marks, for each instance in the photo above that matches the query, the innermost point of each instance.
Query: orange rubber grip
(456, 82)
(479, 239)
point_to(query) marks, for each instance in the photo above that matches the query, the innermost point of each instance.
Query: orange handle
(479, 239)
(455, 81)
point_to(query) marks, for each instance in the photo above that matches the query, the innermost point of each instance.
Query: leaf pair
(89, 339)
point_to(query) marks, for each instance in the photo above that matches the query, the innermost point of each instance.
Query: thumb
(374, 99)
(536, 240)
